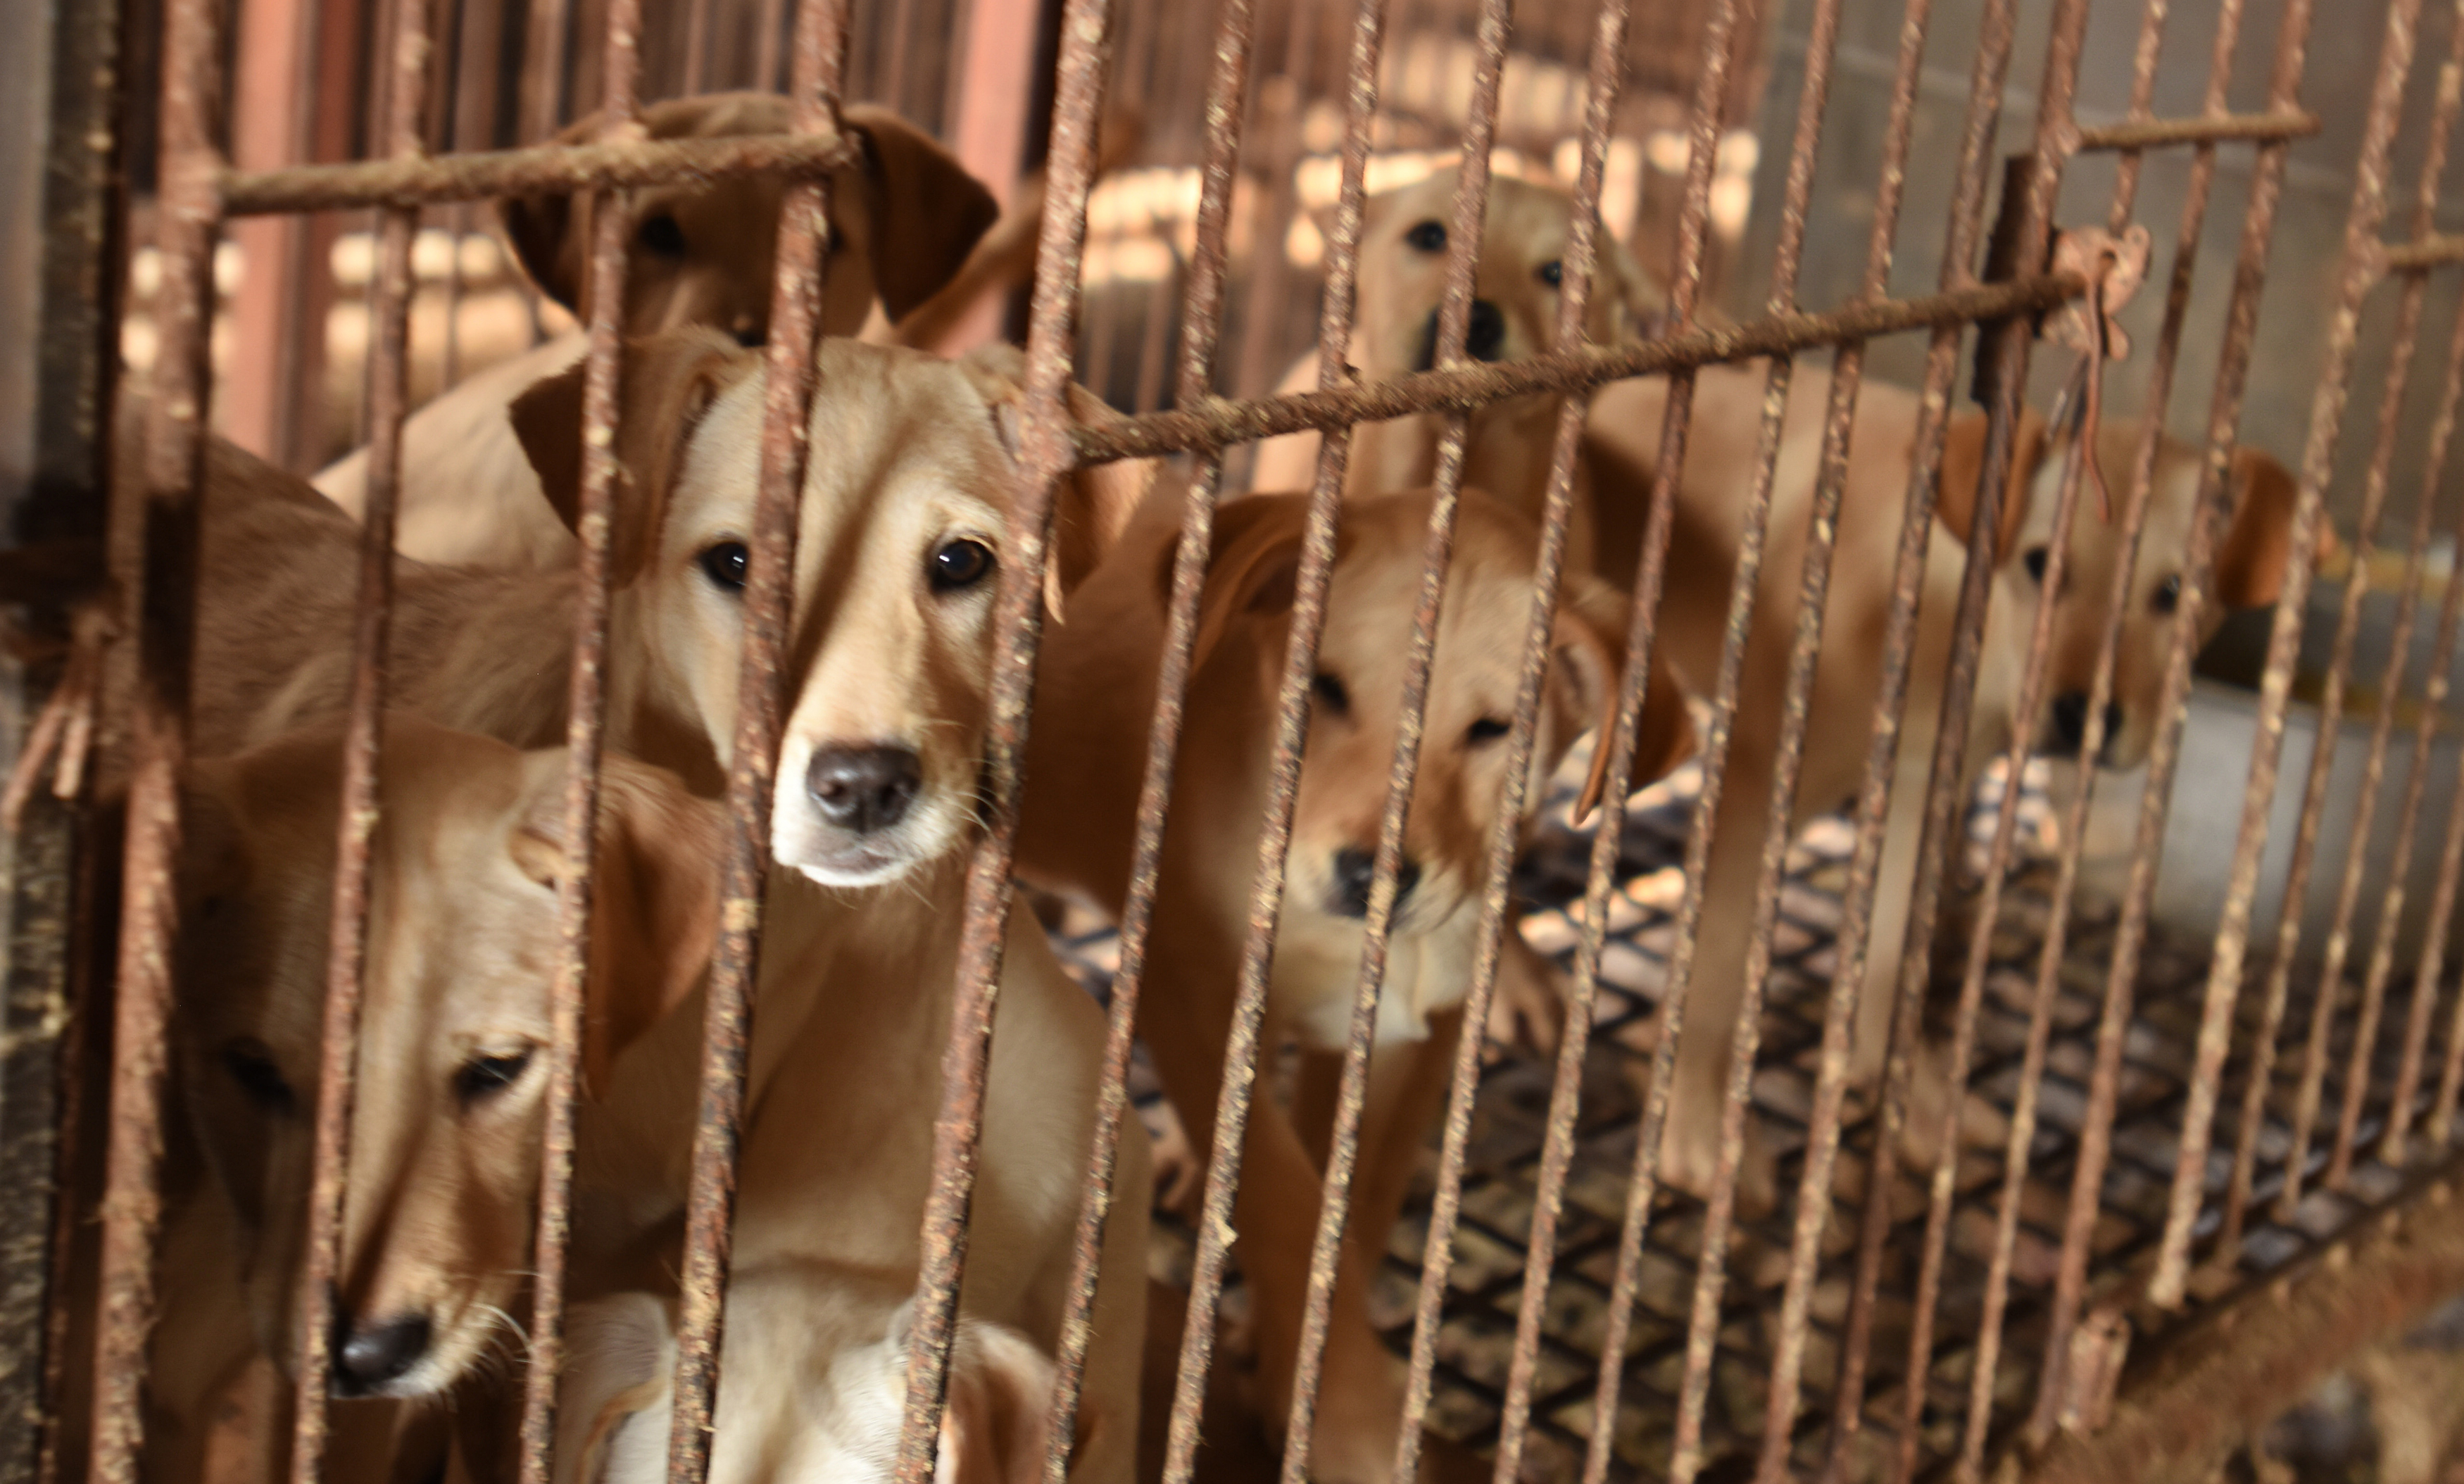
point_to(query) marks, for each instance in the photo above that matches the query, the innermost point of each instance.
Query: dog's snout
(863, 790)
(2069, 722)
(1487, 334)
(368, 1357)
(747, 334)
(1356, 870)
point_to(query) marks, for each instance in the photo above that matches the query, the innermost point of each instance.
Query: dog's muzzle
(863, 789)
(368, 1358)
(2066, 725)
(1354, 871)
(1483, 341)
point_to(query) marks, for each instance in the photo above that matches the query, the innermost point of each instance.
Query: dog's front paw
(1528, 1009)
(1931, 1096)
(1689, 1157)
(1179, 1172)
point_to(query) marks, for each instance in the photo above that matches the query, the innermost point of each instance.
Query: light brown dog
(1096, 688)
(1403, 252)
(450, 1071)
(813, 1386)
(902, 222)
(1622, 441)
(904, 522)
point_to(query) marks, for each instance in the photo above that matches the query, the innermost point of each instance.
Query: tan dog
(813, 1386)
(1514, 317)
(902, 222)
(449, 1091)
(1097, 689)
(904, 523)
(1622, 445)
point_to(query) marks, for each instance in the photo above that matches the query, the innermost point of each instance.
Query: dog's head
(1404, 251)
(2252, 556)
(1356, 694)
(902, 220)
(903, 529)
(815, 1387)
(451, 1074)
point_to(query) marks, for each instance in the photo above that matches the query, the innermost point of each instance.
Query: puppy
(813, 1385)
(451, 1074)
(1087, 761)
(902, 222)
(1403, 252)
(1622, 446)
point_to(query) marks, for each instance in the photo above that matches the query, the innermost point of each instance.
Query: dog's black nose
(1353, 873)
(2069, 722)
(1488, 335)
(366, 1359)
(863, 789)
(749, 334)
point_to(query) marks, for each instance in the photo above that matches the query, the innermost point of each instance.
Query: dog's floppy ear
(547, 234)
(655, 917)
(2251, 560)
(619, 1358)
(996, 1429)
(670, 381)
(1963, 466)
(1092, 505)
(1590, 660)
(1642, 300)
(1253, 567)
(927, 211)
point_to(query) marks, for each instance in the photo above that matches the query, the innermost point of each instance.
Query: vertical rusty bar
(319, 1306)
(547, 31)
(1990, 68)
(1047, 457)
(153, 548)
(2357, 1082)
(2442, 900)
(586, 715)
(818, 61)
(2424, 994)
(2224, 979)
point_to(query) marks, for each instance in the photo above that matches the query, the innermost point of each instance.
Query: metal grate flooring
(1485, 1282)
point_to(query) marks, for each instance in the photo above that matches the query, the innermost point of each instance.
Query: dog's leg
(1106, 1448)
(1408, 1083)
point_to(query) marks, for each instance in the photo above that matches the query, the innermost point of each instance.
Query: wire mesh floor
(1477, 1338)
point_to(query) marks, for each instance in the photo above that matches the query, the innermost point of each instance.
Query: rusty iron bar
(2144, 59)
(584, 731)
(818, 60)
(319, 1302)
(2225, 974)
(1556, 1156)
(2433, 945)
(1839, 1016)
(2340, 1157)
(547, 31)
(2392, 1149)
(2427, 250)
(1219, 421)
(1963, 237)
(535, 169)
(153, 546)
(2213, 128)
(2051, 955)
(2237, 1366)
(1045, 459)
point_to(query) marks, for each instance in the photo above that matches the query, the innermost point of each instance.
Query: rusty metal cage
(2228, 1160)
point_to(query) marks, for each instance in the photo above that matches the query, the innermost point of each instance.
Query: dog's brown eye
(252, 1068)
(726, 565)
(2036, 560)
(2167, 595)
(1553, 272)
(1428, 236)
(959, 564)
(483, 1075)
(1329, 690)
(1488, 729)
(662, 235)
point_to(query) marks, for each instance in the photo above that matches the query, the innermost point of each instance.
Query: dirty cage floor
(1510, 1118)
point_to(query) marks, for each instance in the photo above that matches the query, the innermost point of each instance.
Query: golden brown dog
(813, 1385)
(1096, 687)
(1622, 441)
(1403, 252)
(902, 222)
(450, 1077)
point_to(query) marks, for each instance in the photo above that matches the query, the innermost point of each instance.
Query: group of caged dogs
(903, 526)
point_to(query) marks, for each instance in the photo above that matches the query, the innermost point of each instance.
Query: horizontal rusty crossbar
(2438, 249)
(1220, 421)
(538, 170)
(2223, 128)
